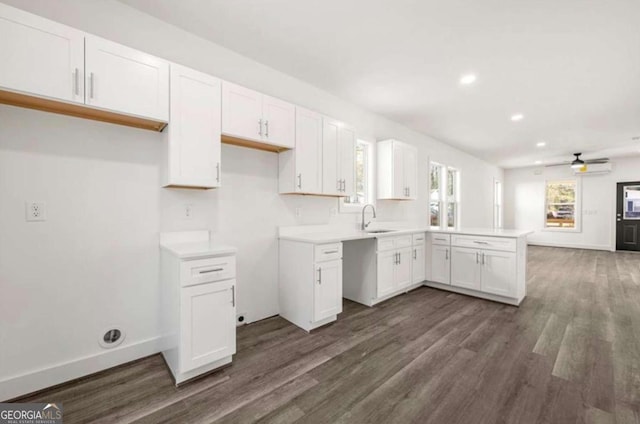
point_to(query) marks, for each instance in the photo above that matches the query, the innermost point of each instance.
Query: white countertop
(327, 234)
(193, 244)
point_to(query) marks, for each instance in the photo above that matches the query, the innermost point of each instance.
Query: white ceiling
(572, 67)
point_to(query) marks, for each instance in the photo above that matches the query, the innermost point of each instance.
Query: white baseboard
(571, 245)
(20, 385)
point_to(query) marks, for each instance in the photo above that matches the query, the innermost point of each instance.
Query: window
(497, 204)
(444, 196)
(631, 202)
(561, 204)
(364, 179)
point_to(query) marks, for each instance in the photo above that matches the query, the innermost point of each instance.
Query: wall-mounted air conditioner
(594, 169)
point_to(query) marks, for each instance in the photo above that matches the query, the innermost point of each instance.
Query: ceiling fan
(578, 163)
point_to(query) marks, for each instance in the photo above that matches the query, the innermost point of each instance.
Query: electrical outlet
(188, 211)
(35, 211)
(298, 212)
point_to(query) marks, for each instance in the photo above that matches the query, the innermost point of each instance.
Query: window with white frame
(561, 205)
(497, 204)
(444, 196)
(363, 187)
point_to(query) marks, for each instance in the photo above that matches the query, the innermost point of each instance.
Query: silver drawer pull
(481, 242)
(440, 239)
(211, 270)
(327, 252)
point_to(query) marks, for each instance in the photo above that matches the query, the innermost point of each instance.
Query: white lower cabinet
(198, 312)
(490, 267)
(386, 272)
(310, 283)
(419, 268)
(394, 264)
(207, 320)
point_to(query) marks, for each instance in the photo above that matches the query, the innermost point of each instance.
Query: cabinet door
(40, 56)
(418, 269)
(207, 320)
(386, 267)
(399, 187)
(347, 142)
(465, 268)
(499, 273)
(403, 277)
(194, 133)
(327, 294)
(330, 131)
(241, 112)
(308, 151)
(440, 269)
(279, 122)
(410, 164)
(125, 80)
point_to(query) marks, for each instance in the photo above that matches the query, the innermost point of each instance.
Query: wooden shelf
(79, 111)
(226, 139)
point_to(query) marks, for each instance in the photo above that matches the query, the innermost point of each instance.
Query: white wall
(524, 204)
(94, 262)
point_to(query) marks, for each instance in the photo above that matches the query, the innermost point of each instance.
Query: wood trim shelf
(234, 141)
(79, 111)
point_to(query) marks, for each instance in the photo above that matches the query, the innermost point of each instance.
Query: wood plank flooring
(569, 354)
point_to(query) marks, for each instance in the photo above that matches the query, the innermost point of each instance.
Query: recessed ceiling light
(517, 117)
(541, 144)
(538, 162)
(467, 79)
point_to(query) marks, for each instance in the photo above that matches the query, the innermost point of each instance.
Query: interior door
(40, 56)
(465, 268)
(628, 217)
(125, 80)
(279, 122)
(328, 290)
(330, 183)
(308, 151)
(241, 112)
(440, 269)
(207, 317)
(498, 273)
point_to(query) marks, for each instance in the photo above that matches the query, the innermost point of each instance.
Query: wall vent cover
(111, 338)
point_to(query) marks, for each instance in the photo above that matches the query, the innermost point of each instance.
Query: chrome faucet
(364, 226)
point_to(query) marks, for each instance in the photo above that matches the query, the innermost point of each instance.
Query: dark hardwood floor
(569, 354)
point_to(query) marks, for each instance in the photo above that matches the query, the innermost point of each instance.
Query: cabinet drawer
(492, 243)
(442, 239)
(385, 243)
(207, 270)
(328, 252)
(403, 241)
(418, 239)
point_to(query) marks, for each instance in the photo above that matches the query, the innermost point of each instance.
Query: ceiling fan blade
(557, 164)
(599, 160)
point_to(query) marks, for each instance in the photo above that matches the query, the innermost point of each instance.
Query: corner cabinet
(301, 168)
(192, 141)
(397, 170)
(198, 311)
(310, 283)
(483, 266)
(253, 119)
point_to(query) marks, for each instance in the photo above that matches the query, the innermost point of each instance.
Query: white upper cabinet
(397, 170)
(338, 158)
(122, 79)
(250, 115)
(193, 137)
(301, 168)
(40, 57)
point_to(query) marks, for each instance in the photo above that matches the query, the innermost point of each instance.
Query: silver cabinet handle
(415, 254)
(480, 242)
(76, 83)
(319, 275)
(218, 172)
(300, 181)
(477, 257)
(260, 127)
(483, 258)
(211, 270)
(233, 295)
(266, 127)
(344, 185)
(91, 85)
(446, 254)
(327, 252)
(399, 258)
(439, 239)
